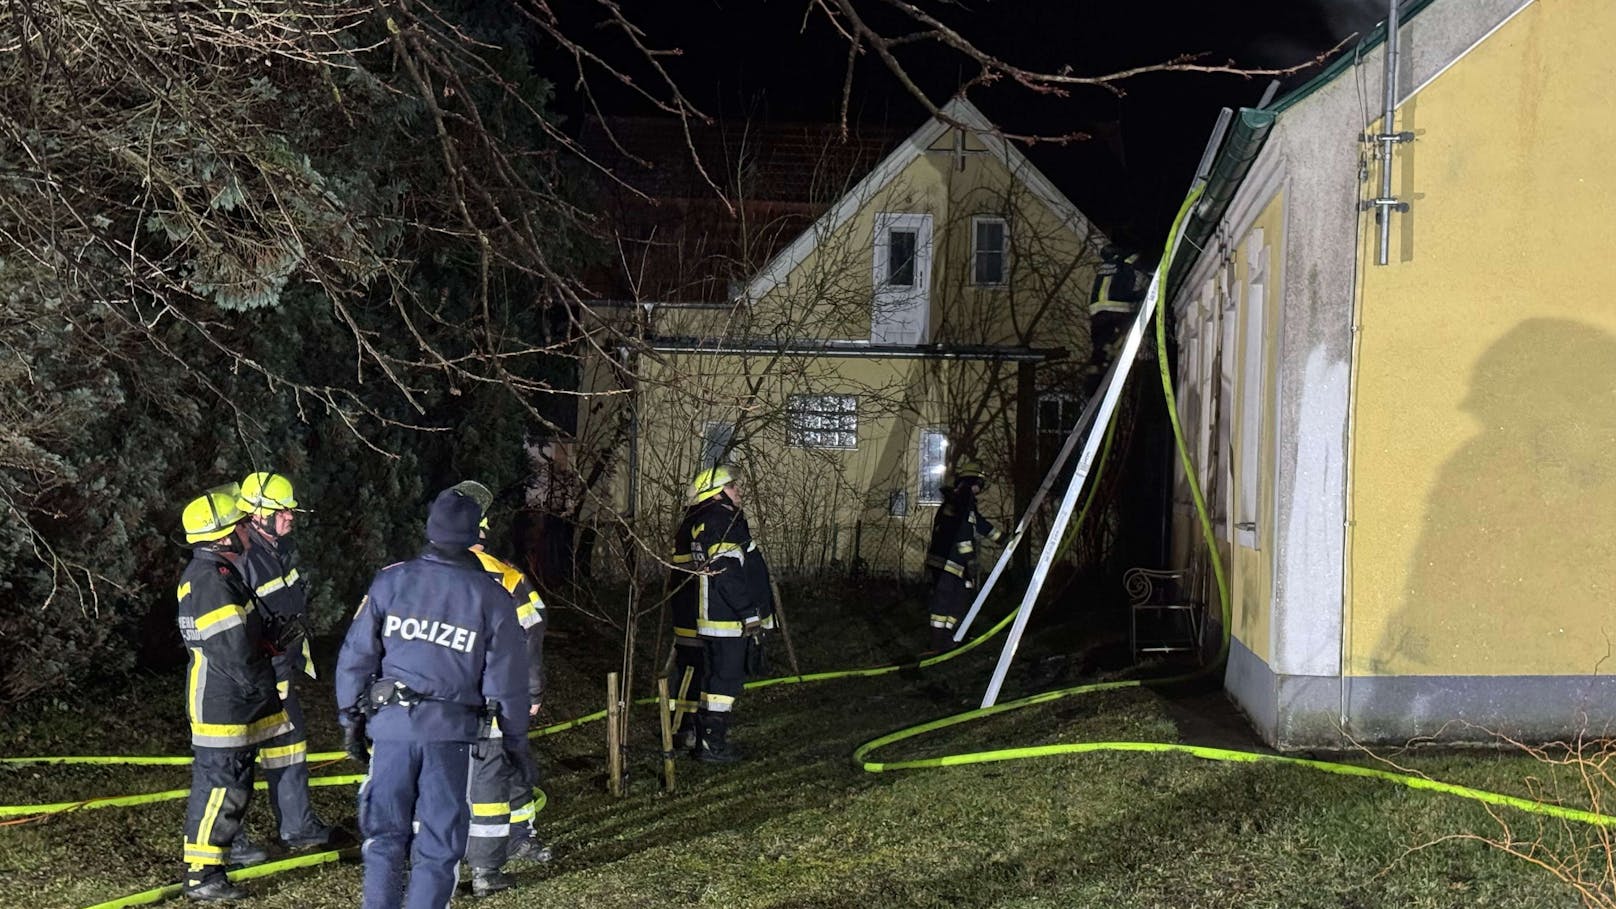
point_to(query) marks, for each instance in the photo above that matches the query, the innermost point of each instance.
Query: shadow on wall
(1516, 565)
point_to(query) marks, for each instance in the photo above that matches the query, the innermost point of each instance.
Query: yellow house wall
(809, 506)
(1484, 481)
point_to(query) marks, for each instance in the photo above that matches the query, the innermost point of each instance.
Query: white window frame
(901, 314)
(1004, 251)
(707, 438)
(1253, 372)
(1222, 456)
(822, 409)
(940, 469)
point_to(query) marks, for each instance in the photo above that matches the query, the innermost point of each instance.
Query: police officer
(434, 651)
(270, 565)
(951, 556)
(723, 601)
(230, 695)
(502, 807)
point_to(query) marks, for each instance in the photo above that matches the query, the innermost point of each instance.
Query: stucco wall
(1485, 536)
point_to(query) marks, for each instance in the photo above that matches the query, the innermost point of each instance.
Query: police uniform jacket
(529, 614)
(954, 531)
(230, 686)
(445, 629)
(720, 576)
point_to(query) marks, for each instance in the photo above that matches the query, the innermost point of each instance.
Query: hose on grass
(861, 755)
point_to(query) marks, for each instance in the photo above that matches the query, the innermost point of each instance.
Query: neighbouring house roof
(674, 238)
(958, 111)
(676, 241)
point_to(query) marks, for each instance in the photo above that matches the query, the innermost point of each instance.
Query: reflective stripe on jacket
(230, 693)
(530, 614)
(720, 577)
(954, 531)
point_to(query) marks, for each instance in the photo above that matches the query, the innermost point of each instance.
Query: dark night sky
(752, 58)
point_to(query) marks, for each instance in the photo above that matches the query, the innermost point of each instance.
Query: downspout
(1387, 139)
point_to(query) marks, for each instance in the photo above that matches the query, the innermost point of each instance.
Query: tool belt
(389, 693)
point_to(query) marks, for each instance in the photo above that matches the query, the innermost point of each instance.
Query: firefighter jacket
(230, 687)
(529, 614)
(270, 566)
(444, 629)
(720, 577)
(954, 531)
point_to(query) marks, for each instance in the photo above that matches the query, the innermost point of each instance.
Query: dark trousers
(413, 807)
(285, 757)
(501, 807)
(221, 787)
(724, 663)
(950, 599)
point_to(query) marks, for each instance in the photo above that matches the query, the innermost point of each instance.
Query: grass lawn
(798, 825)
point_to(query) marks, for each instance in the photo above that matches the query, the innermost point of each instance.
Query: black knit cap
(453, 520)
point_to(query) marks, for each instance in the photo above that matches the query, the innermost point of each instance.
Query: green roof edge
(1246, 137)
(1377, 36)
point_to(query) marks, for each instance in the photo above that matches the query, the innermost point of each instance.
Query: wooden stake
(614, 749)
(679, 710)
(780, 616)
(667, 734)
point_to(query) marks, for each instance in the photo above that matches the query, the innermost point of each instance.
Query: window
(901, 246)
(1252, 392)
(901, 303)
(988, 251)
(822, 421)
(933, 465)
(1057, 414)
(717, 440)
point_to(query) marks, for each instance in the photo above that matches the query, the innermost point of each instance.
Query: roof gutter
(859, 350)
(1245, 139)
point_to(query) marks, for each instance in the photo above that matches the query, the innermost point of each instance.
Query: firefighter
(502, 807)
(1118, 282)
(951, 556)
(230, 695)
(434, 652)
(722, 605)
(270, 567)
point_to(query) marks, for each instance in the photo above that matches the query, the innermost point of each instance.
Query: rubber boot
(489, 881)
(942, 640)
(244, 852)
(689, 732)
(714, 746)
(321, 835)
(529, 849)
(207, 884)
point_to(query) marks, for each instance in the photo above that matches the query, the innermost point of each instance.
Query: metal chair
(1166, 611)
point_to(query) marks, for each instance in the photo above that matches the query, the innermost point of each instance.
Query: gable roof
(675, 240)
(958, 110)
